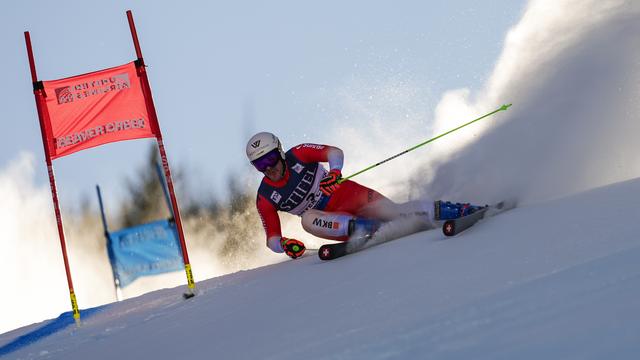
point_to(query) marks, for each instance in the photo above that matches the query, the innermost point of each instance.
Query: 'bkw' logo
(326, 224)
(255, 144)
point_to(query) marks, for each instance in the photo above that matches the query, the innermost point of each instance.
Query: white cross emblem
(297, 168)
(276, 197)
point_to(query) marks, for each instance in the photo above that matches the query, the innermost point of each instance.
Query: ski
(334, 251)
(404, 227)
(456, 226)
(387, 232)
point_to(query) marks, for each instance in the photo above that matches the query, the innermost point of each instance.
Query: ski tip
(505, 107)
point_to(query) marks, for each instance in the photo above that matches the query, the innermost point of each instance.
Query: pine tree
(146, 198)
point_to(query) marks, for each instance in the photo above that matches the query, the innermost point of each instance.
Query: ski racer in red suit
(296, 182)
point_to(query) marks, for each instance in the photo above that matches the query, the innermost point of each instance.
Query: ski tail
(387, 232)
(334, 251)
(455, 226)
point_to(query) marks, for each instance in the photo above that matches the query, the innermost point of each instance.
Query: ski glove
(292, 247)
(330, 183)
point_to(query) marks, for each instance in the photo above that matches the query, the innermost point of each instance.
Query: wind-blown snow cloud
(377, 119)
(572, 71)
(31, 264)
(28, 242)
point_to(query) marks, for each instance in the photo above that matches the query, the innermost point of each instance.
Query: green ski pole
(502, 108)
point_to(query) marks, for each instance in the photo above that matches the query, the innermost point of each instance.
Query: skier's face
(276, 172)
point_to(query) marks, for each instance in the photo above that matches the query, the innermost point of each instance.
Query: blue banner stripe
(142, 250)
(50, 328)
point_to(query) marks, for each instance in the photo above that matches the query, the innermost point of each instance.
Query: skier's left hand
(330, 183)
(292, 247)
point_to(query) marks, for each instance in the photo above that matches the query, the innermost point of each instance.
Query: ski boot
(446, 210)
(363, 228)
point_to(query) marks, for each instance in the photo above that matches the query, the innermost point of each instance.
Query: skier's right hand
(331, 182)
(292, 247)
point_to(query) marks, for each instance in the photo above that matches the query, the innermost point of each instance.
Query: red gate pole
(146, 88)
(38, 91)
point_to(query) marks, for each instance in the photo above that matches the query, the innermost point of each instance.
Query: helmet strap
(284, 167)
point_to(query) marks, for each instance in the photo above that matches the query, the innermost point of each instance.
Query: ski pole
(502, 108)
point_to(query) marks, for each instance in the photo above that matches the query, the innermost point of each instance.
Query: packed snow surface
(558, 279)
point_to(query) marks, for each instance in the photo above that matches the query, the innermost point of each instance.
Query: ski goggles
(267, 160)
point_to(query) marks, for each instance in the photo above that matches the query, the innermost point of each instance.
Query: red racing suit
(299, 190)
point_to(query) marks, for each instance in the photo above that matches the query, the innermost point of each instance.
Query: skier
(296, 182)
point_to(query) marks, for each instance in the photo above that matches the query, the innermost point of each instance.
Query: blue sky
(220, 71)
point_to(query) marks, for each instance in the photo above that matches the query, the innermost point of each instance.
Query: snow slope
(571, 68)
(558, 279)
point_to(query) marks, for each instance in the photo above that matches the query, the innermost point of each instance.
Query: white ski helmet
(262, 143)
